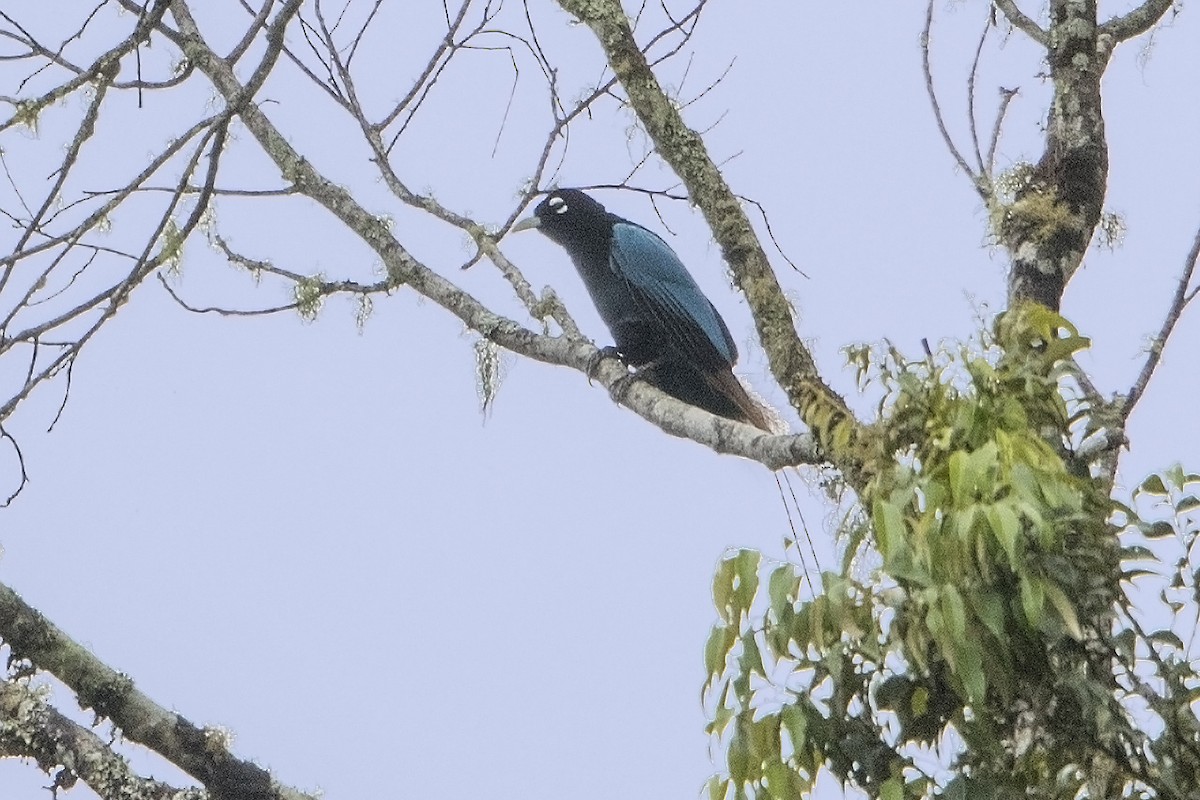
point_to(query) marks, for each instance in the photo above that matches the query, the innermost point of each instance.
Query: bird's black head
(569, 216)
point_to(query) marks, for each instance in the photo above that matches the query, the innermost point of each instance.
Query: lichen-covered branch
(200, 752)
(1048, 227)
(1020, 21)
(32, 728)
(1138, 21)
(820, 407)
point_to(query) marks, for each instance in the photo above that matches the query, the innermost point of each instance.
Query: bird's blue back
(662, 286)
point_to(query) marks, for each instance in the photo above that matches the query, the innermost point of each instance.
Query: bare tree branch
(971, 77)
(1006, 97)
(57, 281)
(31, 728)
(1138, 21)
(978, 180)
(202, 753)
(1178, 303)
(103, 67)
(1023, 23)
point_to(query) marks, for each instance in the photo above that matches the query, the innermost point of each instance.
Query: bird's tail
(751, 410)
(718, 392)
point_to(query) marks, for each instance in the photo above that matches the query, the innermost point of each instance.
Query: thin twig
(1178, 303)
(1006, 96)
(977, 181)
(975, 146)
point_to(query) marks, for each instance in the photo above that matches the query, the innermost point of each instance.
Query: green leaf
(1025, 481)
(984, 463)
(1131, 574)
(1153, 485)
(795, 722)
(964, 521)
(1005, 525)
(1157, 530)
(764, 739)
(782, 588)
(1065, 609)
(920, 701)
(989, 609)
(751, 655)
(746, 581)
(1060, 495)
(1166, 637)
(970, 669)
(1124, 510)
(816, 620)
(722, 590)
(720, 721)
(889, 526)
(935, 494)
(717, 788)
(720, 642)
(891, 789)
(779, 780)
(738, 759)
(1189, 502)
(935, 622)
(960, 478)
(1136, 552)
(1175, 475)
(954, 612)
(1033, 597)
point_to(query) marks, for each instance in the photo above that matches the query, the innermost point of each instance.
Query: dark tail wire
(790, 503)
(720, 392)
(742, 405)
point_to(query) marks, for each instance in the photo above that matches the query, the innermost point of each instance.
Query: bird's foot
(620, 387)
(593, 363)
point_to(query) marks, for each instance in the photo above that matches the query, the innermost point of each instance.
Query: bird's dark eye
(558, 205)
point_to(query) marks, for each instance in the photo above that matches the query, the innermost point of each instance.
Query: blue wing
(661, 285)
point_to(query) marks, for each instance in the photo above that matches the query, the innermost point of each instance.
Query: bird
(662, 324)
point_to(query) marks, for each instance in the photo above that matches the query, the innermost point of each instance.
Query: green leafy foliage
(992, 615)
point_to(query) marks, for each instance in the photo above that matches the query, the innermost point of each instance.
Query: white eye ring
(558, 204)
